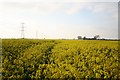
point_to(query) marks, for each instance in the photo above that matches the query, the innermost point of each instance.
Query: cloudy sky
(56, 19)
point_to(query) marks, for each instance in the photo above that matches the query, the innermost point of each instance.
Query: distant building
(79, 37)
(96, 37)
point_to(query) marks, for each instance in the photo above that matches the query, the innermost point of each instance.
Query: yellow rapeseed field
(59, 59)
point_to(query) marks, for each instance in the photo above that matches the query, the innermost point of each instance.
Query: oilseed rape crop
(59, 59)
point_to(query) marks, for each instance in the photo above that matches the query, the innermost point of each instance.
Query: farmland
(66, 59)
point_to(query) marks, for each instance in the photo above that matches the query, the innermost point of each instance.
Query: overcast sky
(55, 19)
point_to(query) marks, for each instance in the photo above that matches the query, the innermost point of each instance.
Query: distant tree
(79, 37)
(96, 36)
(84, 38)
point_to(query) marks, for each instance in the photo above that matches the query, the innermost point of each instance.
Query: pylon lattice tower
(22, 31)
